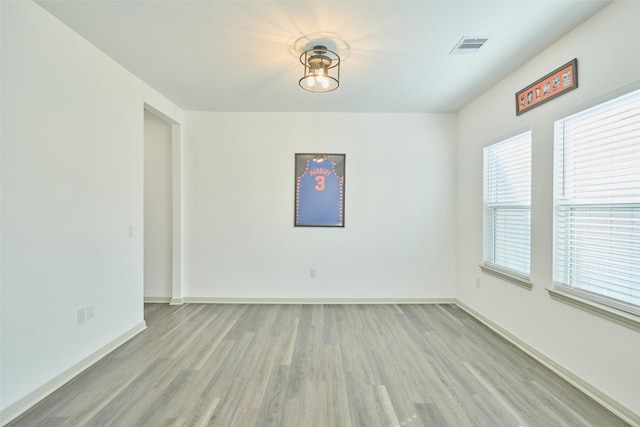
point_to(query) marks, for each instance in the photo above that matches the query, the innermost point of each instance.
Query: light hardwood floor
(316, 365)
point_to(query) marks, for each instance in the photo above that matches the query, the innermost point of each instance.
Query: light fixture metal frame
(319, 55)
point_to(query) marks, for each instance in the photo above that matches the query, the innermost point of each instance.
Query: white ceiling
(241, 55)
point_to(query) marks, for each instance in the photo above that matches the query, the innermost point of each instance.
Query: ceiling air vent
(468, 45)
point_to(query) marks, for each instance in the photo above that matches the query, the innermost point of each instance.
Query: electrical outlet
(89, 312)
(478, 283)
(82, 316)
(131, 231)
(312, 273)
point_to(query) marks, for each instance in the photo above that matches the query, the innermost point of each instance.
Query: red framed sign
(556, 83)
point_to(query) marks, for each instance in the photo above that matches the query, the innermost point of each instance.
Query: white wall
(240, 241)
(600, 352)
(158, 205)
(72, 158)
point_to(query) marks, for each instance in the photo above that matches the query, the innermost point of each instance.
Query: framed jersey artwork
(319, 190)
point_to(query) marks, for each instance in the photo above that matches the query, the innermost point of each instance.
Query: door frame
(176, 203)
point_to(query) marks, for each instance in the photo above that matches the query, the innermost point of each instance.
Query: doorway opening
(158, 240)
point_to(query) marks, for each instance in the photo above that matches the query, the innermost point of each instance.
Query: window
(507, 205)
(597, 203)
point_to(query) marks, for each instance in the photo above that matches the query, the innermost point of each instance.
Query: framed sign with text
(556, 83)
(319, 190)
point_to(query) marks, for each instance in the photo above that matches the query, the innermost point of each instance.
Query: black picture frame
(558, 82)
(319, 189)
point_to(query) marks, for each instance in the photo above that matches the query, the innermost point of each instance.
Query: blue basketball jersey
(320, 193)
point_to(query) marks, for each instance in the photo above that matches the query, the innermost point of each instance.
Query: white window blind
(507, 204)
(597, 203)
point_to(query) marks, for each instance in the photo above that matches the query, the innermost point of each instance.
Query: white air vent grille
(468, 45)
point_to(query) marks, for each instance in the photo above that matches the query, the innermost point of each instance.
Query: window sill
(621, 317)
(521, 281)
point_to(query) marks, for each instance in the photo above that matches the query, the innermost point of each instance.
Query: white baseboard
(157, 300)
(206, 300)
(614, 406)
(176, 301)
(14, 410)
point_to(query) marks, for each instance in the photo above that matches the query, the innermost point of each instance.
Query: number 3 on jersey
(319, 183)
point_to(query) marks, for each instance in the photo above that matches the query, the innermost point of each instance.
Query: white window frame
(616, 128)
(507, 209)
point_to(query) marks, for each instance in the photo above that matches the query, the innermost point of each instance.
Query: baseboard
(20, 406)
(614, 406)
(176, 301)
(205, 300)
(157, 300)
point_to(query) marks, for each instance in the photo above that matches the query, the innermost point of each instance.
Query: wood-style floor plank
(316, 365)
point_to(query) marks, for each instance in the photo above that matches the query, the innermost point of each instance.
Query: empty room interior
(324, 213)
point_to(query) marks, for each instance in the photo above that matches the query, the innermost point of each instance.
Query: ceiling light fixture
(321, 70)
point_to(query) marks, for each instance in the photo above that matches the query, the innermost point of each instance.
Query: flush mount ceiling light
(321, 70)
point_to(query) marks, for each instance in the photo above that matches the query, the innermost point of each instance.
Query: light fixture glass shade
(321, 70)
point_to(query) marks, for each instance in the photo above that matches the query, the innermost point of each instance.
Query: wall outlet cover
(82, 316)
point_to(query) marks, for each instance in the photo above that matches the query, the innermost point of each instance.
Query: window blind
(507, 204)
(597, 203)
